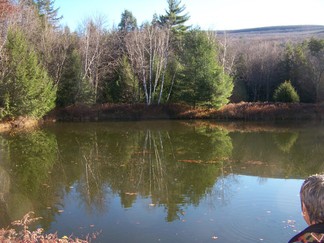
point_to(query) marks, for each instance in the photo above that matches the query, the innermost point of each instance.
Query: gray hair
(312, 195)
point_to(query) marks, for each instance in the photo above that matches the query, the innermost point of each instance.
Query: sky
(207, 14)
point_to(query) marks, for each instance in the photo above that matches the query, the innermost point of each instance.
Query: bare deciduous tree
(99, 50)
(147, 49)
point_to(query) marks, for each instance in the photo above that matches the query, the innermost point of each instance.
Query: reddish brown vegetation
(241, 111)
(6, 9)
(271, 111)
(25, 235)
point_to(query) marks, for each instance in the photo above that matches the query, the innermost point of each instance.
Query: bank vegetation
(135, 71)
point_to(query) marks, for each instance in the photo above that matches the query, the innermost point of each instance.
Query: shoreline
(244, 111)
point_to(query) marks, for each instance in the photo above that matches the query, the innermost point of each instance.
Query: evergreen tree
(128, 22)
(48, 12)
(173, 18)
(202, 80)
(68, 87)
(286, 93)
(125, 87)
(27, 90)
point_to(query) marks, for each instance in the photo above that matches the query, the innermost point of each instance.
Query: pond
(168, 181)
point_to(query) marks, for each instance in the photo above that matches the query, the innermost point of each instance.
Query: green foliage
(68, 87)
(72, 88)
(315, 46)
(27, 90)
(202, 80)
(86, 93)
(286, 93)
(173, 17)
(47, 12)
(128, 22)
(125, 87)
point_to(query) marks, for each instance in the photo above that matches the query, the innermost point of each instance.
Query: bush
(286, 93)
(23, 234)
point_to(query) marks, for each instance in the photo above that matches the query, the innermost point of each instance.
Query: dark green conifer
(173, 18)
(27, 90)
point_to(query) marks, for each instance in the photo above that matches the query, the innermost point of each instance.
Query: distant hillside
(294, 32)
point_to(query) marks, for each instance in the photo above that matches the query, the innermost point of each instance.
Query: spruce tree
(202, 80)
(286, 93)
(27, 90)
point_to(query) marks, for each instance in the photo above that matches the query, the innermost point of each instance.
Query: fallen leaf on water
(190, 161)
(131, 193)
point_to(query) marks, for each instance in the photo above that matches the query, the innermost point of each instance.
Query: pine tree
(286, 93)
(173, 18)
(48, 12)
(128, 22)
(27, 90)
(202, 81)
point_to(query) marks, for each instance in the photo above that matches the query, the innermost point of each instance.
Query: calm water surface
(165, 181)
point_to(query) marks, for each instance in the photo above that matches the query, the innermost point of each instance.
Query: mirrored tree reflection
(285, 141)
(155, 163)
(28, 159)
(173, 165)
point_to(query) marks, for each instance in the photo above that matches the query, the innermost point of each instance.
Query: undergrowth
(20, 232)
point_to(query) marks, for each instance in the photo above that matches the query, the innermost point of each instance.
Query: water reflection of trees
(174, 164)
(288, 153)
(286, 140)
(29, 160)
(149, 163)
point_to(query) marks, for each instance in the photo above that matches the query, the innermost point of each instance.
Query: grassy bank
(20, 123)
(242, 111)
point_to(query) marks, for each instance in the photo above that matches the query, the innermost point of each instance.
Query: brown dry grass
(20, 123)
(245, 111)
(23, 234)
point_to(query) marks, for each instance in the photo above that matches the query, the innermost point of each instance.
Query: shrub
(23, 234)
(285, 92)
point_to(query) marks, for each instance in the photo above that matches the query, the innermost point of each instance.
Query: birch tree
(147, 52)
(92, 51)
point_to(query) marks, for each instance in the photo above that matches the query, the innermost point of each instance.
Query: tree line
(262, 67)
(44, 65)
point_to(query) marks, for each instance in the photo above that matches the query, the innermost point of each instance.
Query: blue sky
(208, 14)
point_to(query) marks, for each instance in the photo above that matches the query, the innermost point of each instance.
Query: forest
(44, 65)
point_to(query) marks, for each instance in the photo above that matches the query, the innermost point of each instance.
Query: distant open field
(283, 33)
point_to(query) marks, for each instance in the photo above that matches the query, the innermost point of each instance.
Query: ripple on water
(255, 212)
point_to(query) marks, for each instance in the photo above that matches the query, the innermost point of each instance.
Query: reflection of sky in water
(168, 181)
(238, 209)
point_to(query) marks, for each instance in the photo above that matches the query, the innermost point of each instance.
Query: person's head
(312, 199)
